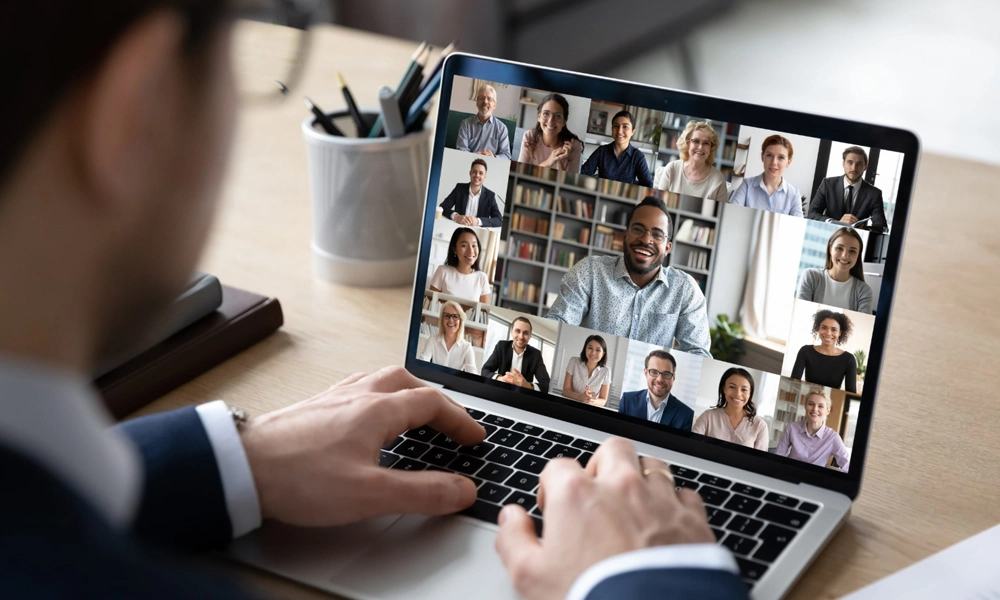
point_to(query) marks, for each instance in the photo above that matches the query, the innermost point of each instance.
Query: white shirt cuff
(238, 486)
(681, 556)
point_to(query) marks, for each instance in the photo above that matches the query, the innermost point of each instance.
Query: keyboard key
(536, 512)
(739, 544)
(386, 459)
(466, 465)
(712, 495)
(490, 429)
(498, 421)
(745, 525)
(433, 468)
(422, 434)
(504, 456)
(681, 484)
(743, 504)
(808, 507)
(411, 449)
(393, 443)
(775, 540)
(584, 458)
(532, 464)
(492, 492)
(527, 429)
(479, 450)
(495, 473)
(559, 438)
(523, 481)
(475, 480)
(475, 414)
(527, 501)
(443, 441)
(683, 472)
(533, 445)
(408, 464)
(585, 445)
(561, 451)
(718, 533)
(750, 569)
(717, 516)
(748, 490)
(484, 511)
(783, 516)
(439, 457)
(712, 480)
(782, 500)
(506, 437)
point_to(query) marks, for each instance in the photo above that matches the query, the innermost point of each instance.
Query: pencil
(421, 102)
(440, 63)
(352, 107)
(411, 87)
(324, 121)
(376, 129)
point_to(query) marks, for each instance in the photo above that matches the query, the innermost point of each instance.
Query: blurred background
(926, 65)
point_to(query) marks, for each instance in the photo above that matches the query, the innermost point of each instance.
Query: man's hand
(485, 153)
(315, 463)
(465, 220)
(622, 510)
(849, 219)
(514, 377)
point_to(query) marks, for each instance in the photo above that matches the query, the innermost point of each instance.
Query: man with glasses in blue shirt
(635, 295)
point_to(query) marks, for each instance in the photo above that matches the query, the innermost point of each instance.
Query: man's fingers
(659, 479)
(614, 454)
(418, 492)
(516, 543)
(406, 409)
(350, 379)
(554, 476)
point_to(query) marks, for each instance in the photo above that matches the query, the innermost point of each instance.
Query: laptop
(762, 204)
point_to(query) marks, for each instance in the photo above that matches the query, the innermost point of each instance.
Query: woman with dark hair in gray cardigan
(842, 282)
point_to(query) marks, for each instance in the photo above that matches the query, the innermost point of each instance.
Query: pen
(440, 63)
(376, 129)
(422, 101)
(353, 107)
(391, 116)
(411, 87)
(324, 121)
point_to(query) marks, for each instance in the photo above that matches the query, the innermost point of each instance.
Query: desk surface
(932, 473)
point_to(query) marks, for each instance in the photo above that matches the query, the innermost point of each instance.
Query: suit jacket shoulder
(704, 584)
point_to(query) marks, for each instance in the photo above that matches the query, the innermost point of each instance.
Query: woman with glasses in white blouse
(448, 346)
(693, 174)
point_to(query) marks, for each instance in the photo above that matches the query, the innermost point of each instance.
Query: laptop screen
(717, 278)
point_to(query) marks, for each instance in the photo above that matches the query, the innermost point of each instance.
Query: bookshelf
(725, 154)
(476, 320)
(554, 219)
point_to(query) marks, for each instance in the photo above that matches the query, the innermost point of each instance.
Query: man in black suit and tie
(471, 204)
(520, 363)
(850, 198)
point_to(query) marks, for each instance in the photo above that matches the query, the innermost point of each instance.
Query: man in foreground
(112, 152)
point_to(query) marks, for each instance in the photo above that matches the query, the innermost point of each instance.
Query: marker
(377, 127)
(391, 116)
(352, 107)
(324, 121)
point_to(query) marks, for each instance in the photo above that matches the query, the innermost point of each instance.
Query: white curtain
(769, 295)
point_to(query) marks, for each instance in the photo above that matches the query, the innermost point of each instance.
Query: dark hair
(749, 408)
(624, 113)
(845, 323)
(604, 346)
(858, 270)
(452, 260)
(778, 140)
(655, 202)
(78, 35)
(855, 150)
(480, 161)
(525, 319)
(564, 136)
(662, 355)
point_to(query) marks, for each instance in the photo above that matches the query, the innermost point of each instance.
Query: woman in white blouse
(588, 379)
(460, 274)
(693, 174)
(734, 419)
(448, 346)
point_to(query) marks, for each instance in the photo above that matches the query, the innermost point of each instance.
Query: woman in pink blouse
(734, 419)
(551, 143)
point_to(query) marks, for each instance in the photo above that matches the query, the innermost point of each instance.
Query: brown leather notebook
(243, 319)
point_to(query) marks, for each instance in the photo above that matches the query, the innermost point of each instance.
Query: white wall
(463, 98)
(803, 168)
(732, 258)
(571, 340)
(455, 167)
(801, 332)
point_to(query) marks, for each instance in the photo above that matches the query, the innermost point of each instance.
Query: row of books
(562, 258)
(698, 259)
(608, 238)
(786, 416)
(559, 232)
(698, 234)
(520, 291)
(522, 222)
(533, 197)
(526, 250)
(575, 206)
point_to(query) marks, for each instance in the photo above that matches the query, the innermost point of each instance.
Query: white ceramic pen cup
(368, 202)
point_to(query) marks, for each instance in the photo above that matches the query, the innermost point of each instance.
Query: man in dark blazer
(108, 179)
(516, 362)
(471, 204)
(849, 198)
(656, 403)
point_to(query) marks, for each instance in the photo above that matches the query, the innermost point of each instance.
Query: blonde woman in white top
(693, 174)
(448, 346)
(734, 419)
(588, 379)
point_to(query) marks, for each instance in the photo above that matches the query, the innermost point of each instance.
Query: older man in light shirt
(483, 133)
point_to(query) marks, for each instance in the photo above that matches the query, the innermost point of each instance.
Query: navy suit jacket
(53, 544)
(487, 211)
(675, 414)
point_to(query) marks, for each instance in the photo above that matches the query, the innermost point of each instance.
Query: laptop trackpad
(427, 557)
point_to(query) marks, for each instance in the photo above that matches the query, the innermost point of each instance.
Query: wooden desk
(932, 476)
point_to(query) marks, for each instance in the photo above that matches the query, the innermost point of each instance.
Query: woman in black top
(826, 364)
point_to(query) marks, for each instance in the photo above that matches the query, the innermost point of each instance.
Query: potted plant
(727, 339)
(860, 357)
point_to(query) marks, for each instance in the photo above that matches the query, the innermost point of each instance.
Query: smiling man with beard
(635, 295)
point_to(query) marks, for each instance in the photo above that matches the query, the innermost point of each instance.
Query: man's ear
(125, 107)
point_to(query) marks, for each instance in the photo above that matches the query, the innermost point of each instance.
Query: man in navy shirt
(620, 160)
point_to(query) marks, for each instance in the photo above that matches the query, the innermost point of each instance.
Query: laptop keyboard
(754, 524)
